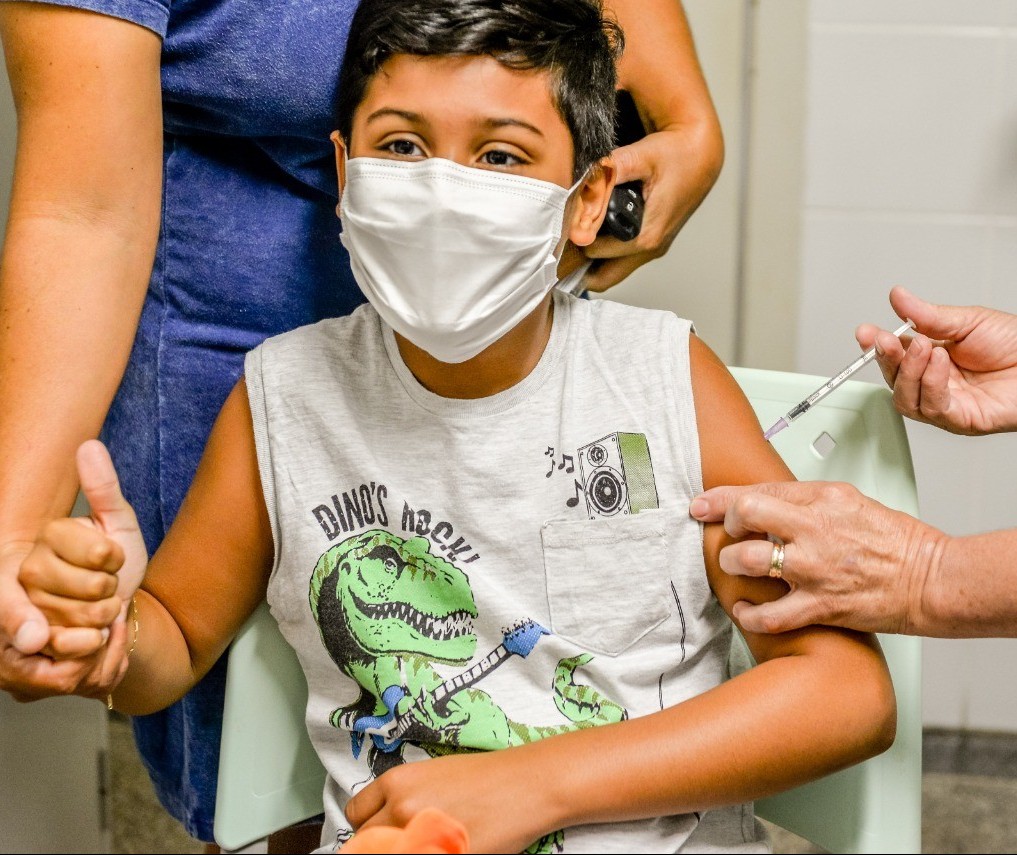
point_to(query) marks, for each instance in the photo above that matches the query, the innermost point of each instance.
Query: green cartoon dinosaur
(387, 609)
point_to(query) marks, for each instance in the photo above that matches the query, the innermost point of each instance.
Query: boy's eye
(404, 148)
(496, 157)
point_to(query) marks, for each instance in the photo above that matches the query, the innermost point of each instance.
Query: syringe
(801, 409)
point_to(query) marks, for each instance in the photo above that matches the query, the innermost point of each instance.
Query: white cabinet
(52, 776)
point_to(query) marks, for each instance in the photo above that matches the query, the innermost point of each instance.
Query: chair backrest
(855, 435)
(270, 777)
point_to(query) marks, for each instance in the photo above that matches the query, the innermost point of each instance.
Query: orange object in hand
(430, 831)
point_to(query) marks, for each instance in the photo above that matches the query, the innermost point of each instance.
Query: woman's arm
(819, 700)
(84, 219)
(205, 580)
(680, 158)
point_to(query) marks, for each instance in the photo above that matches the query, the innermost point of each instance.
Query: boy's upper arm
(212, 569)
(733, 452)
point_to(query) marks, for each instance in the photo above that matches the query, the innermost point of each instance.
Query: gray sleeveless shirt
(460, 575)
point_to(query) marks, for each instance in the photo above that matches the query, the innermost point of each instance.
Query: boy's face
(478, 113)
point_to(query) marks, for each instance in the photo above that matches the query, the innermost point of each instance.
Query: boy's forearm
(781, 724)
(971, 589)
(160, 669)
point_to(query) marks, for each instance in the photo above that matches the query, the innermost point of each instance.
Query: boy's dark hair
(568, 38)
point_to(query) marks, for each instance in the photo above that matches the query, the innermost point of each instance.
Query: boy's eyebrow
(391, 111)
(416, 118)
(519, 123)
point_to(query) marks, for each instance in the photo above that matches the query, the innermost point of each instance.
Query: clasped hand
(80, 576)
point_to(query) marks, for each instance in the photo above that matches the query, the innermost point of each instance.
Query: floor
(969, 793)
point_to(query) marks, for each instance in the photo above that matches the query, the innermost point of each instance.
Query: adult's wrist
(16, 544)
(930, 606)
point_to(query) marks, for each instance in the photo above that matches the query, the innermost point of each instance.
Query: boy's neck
(505, 363)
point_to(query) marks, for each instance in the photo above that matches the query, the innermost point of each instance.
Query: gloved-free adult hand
(958, 372)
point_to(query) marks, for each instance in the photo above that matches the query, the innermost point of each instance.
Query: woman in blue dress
(174, 204)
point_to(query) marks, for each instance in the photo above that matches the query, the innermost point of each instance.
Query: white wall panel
(957, 12)
(911, 178)
(697, 279)
(904, 120)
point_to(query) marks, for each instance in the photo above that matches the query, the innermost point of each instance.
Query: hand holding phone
(625, 208)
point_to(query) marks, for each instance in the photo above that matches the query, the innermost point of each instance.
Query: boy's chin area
(498, 367)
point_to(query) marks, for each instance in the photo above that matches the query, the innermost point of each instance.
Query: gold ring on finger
(777, 561)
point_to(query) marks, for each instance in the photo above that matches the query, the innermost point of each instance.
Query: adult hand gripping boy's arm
(820, 700)
(681, 156)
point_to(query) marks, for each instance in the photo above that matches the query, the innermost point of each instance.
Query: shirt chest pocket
(607, 579)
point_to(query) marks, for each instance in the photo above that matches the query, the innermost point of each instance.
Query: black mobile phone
(625, 208)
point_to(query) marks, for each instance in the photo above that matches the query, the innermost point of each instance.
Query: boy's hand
(83, 572)
(502, 808)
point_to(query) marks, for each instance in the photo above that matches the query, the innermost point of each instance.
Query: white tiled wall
(911, 178)
(697, 279)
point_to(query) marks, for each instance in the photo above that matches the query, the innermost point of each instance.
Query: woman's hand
(679, 160)
(849, 560)
(677, 167)
(33, 677)
(958, 373)
(40, 661)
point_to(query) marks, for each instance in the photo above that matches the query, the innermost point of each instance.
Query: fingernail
(699, 507)
(104, 634)
(28, 635)
(879, 348)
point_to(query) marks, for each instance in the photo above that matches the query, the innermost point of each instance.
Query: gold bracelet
(134, 643)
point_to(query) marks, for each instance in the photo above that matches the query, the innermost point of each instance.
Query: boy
(467, 503)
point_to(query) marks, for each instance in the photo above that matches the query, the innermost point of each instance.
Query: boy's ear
(592, 198)
(340, 161)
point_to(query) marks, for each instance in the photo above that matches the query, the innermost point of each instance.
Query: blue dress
(248, 248)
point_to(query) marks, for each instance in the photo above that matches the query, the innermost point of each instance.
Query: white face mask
(452, 257)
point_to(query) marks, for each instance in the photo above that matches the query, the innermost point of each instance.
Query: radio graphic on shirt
(616, 476)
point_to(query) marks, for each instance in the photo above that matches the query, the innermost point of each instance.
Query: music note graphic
(575, 499)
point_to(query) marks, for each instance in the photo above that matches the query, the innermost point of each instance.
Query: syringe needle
(804, 406)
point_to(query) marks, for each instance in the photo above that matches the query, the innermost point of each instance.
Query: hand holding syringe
(802, 408)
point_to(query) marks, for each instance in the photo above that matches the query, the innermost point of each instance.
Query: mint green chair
(270, 777)
(855, 435)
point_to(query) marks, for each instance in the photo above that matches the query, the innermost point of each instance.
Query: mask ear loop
(581, 180)
(346, 169)
(568, 198)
